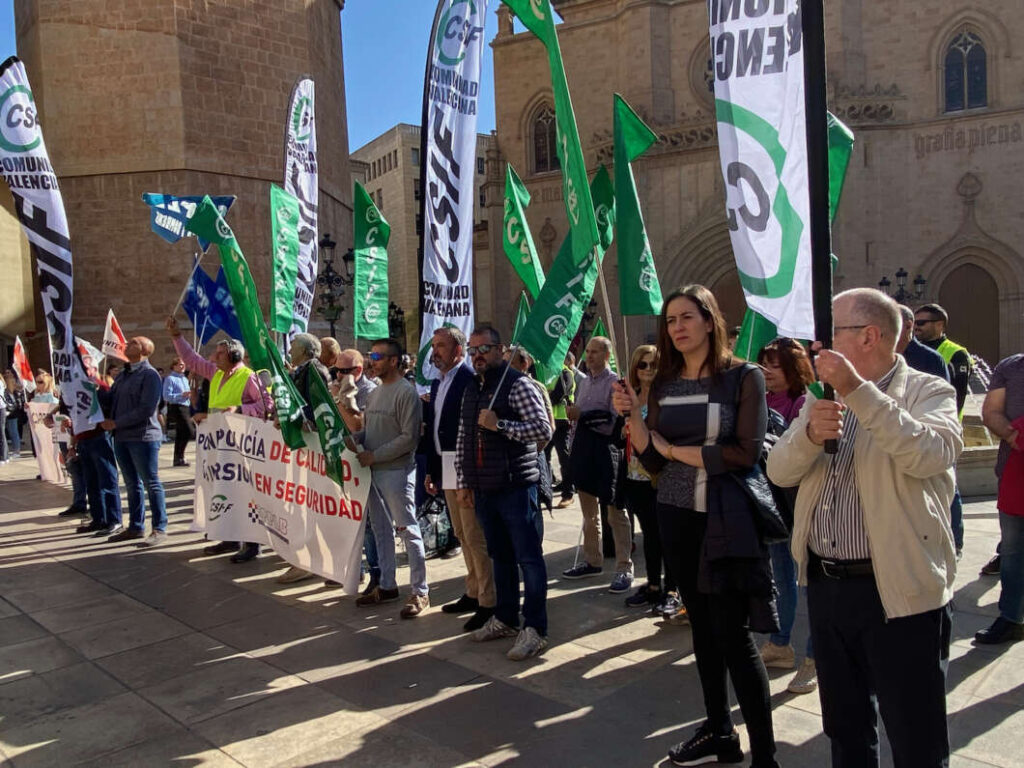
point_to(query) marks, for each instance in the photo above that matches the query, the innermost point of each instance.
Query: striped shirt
(837, 530)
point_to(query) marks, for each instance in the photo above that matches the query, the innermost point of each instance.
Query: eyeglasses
(920, 323)
(643, 365)
(347, 371)
(483, 349)
(848, 327)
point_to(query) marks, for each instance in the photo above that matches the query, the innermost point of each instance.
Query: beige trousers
(479, 569)
(619, 521)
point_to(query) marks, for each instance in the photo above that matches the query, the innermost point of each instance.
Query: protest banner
(114, 341)
(44, 438)
(250, 486)
(301, 180)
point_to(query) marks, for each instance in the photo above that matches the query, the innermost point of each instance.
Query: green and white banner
(284, 237)
(556, 315)
(450, 96)
(757, 58)
(639, 288)
(522, 313)
(301, 179)
(538, 17)
(372, 232)
(25, 166)
(516, 237)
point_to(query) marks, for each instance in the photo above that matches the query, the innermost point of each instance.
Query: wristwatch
(502, 425)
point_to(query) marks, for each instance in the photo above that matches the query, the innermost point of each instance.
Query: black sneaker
(478, 619)
(643, 597)
(706, 747)
(464, 604)
(991, 568)
(245, 554)
(1001, 631)
(73, 511)
(221, 548)
(581, 571)
(92, 527)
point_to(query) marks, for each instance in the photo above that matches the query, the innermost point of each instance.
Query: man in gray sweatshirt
(387, 444)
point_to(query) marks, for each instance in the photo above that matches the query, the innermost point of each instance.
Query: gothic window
(545, 153)
(964, 67)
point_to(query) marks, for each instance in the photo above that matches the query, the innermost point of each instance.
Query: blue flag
(168, 213)
(208, 305)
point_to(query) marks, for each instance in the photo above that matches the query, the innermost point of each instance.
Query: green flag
(329, 425)
(208, 224)
(284, 229)
(522, 313)
(558, 311)
(372, 232)
(757, 330)
(600, 330)
(537, 16)
(516, 236)
(639, 289)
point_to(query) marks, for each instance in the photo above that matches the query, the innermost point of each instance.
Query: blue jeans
(391, 507)
(77, 475)
(956, 519)
(514, 529)
(370, 550)
(784, 573)
(1011, 568)
(14, 433)
(138, 462)
(3, 434)
(96, 458)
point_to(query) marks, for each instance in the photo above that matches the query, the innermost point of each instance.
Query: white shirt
(442, 392)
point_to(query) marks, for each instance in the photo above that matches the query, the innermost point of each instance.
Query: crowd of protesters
(751, 493)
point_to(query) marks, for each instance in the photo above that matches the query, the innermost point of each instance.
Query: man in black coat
(440, 433)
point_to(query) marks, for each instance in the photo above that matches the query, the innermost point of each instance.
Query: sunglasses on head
(483, 349)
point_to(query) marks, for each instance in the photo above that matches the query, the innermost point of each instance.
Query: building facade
(389, 168)
(183, 98)
(932, 91)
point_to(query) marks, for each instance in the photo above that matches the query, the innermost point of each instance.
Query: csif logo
(458, 28)
(219, 505)
(19, 121)
(302, 119)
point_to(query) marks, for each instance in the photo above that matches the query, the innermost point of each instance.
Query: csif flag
(168, 214)
(301, 180)
(538, 17)
(639, 289)
(25, 166)
(600, 330)
(284, 238)
(450, 95)
(522, 313)
(370, 287)
(516, 237)
(556, 315)
(114, 341)
(22, 367)
(756, 330)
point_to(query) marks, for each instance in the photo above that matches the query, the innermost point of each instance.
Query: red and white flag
(22, 367)
(91, 358)
(113, 339)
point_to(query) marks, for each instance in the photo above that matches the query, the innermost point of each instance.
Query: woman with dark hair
(706, 419)
(787, 374)
(638, 494)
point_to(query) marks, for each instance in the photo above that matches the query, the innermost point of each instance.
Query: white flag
(301, 180)
(113, 338)
(757, 57)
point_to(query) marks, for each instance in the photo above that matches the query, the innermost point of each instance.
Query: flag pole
(607, 304)
(816, 122)
(181, 299)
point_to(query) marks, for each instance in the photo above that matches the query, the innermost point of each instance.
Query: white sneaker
(528, 644)
(494, 629)
(778, 656)
(806, 679)
(293, 575)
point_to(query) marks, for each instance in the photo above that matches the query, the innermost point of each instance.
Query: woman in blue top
(706, 418)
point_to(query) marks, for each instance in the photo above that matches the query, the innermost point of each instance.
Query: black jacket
(448, 429)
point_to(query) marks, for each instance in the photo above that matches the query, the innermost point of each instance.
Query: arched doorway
(971, 297)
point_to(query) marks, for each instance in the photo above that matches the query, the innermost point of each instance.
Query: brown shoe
(377, 596)
(415, 605)
(565, 502)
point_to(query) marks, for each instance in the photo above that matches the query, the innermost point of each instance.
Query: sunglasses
(376, 357)
(483, 349)
(919, 323)
(643, 365)
(347, 371)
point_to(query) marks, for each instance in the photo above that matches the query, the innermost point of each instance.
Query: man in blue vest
(930, 328)
(441, 414)
(503, 419)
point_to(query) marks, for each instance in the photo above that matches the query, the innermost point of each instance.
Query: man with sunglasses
(503, 420)
(386, 444)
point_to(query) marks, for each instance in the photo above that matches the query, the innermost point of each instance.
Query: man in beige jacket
(872, 537)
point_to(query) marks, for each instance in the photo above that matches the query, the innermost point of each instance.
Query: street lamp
(901, 294)
(332, 284)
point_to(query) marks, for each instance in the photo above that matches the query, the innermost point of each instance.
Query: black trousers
(184, 429)
(640, 499)
(722, 643)
(560, 443)
(866, 664)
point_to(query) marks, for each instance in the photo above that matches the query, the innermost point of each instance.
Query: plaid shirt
(532, 424)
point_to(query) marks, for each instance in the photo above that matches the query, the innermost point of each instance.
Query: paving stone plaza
(117, 656)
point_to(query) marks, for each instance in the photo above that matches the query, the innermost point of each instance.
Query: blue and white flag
(168, 213)
(208, 305)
